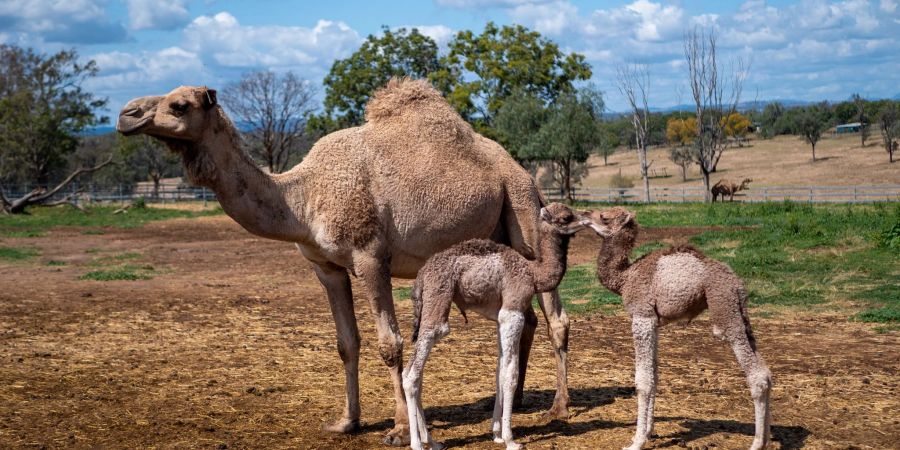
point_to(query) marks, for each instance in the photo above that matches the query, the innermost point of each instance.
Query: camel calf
(498, 283)
(674, 285)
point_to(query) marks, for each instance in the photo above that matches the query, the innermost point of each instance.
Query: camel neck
(612, 260)
(254, 199)
(549, 270)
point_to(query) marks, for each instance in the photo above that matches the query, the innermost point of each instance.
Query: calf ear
(208, 97)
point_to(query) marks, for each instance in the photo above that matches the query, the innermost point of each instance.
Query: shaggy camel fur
(498, 283)
(673, 285)
(373, 201)
(727, 187)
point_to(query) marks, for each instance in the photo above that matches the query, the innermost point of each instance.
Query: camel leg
(337, 288)
(511, 325)
(558, 328)
(374, 272)
(498, 399)
(525, 350)
(412, 386)
(728, 314)
(645, 331)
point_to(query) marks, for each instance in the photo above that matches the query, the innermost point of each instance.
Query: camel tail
(745, 316)
(416, 296)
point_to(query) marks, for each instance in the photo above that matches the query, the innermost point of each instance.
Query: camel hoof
(398, 437)
(343, 426)
(499, 440)
(758, 444)
(514, 446)
(557, 413)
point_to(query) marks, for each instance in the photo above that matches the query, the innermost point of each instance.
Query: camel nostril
(133, 112)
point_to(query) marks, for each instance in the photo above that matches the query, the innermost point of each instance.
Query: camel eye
(179, 107)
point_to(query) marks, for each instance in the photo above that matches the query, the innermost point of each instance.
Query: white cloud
(888, 6)
(64, 21)
(440, 34)
(157, 14)
(225, 42)
(547, 18)
(486, 3)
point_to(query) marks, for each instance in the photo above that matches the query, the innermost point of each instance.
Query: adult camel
(373, 201)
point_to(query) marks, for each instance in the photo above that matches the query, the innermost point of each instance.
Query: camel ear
(629, 218)
(208, 97)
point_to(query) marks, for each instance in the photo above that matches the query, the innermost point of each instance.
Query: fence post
(810, 195)
(854, 195)
(683, 198)
(204, 197)
(765, 194)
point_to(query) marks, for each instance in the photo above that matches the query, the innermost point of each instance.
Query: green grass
(17, 254)
(402, 292)
(40, 220)
(124, 273)
(789, 254)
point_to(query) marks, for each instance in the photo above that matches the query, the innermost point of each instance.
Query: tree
(860, 107)
(682, 134)
(715, 93)
(810, 123)
(150, 157)
(566, 139)
(352, 81)
(274, 109)
(517, 123)
(889, 122)
(736, 126)
(607, 140)
(772, 120)
(634, 83)
(43, 108)
(481, 71)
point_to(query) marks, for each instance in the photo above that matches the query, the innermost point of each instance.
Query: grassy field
(789, 254)
(40, 221)
(782, 161)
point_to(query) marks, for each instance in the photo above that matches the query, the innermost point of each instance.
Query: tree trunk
(156, 188)
(567, 181)
(683, 173)
(814, 152)
(707, 195)
(646, 185)
(605, 156)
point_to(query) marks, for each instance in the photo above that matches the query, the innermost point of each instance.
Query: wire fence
(88, 195)
(807, 194)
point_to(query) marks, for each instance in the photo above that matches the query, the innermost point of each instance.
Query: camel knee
(559, 331)
(391, 350)
(760, 382)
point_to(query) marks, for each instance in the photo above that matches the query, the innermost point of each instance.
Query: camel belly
(677, 287)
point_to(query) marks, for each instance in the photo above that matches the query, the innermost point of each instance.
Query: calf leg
(511, 325)
(645, 331)
(524, 352)
(558, 328)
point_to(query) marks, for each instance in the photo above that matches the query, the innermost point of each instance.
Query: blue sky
(797, 49)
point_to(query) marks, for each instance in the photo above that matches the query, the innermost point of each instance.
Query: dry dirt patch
(231, 344)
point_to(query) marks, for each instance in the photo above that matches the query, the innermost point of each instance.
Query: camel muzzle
(136, 115)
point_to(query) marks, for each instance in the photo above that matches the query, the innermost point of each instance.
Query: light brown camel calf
(498, 283)
(673, 285)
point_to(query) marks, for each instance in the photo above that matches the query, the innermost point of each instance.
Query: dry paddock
(231, 345)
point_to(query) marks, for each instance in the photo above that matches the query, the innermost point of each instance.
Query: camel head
(609, 222)
(179, 116)
(746, 182)
(561, 218)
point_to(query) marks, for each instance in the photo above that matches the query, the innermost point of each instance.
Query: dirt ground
(231, 345)
(781, 161)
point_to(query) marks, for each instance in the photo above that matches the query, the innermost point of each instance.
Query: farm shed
(848, 128)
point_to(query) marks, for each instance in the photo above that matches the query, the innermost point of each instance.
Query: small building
(848, 128)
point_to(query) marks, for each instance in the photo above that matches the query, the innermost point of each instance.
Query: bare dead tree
(275, 110)
(860, 104)
(633, 82)
(42, 197)
(889, 121)
(716, 93)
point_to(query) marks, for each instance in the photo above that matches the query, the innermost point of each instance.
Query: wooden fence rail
(808, 194)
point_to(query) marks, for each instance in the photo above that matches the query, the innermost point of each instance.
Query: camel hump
(401, 95)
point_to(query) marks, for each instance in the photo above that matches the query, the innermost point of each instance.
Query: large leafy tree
(481, 71)
(351, 81)
(43, 108)
(517, 123)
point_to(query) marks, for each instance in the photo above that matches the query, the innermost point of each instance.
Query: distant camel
(725, 186)
(676, 285)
